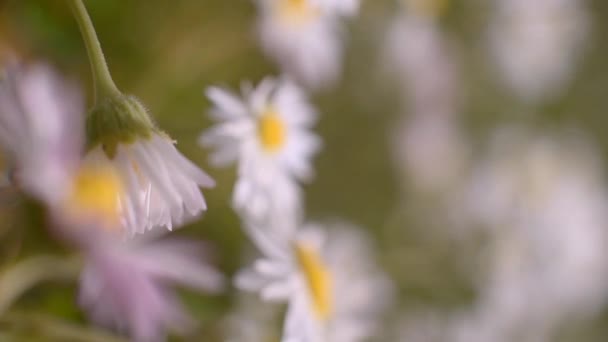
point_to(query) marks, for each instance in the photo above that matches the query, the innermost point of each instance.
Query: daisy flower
(125, 285)
(40, 129)
(333, 289)
(536, 44)
(429, 147)
(162, 186)
(303, 37)
(543, 202)
(267, 132)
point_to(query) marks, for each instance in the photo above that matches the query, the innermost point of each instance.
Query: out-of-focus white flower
(431, 152)
(40, 129)
(162, 186)
(303, 36)
(544, 202)
(334, 290)
(428, 145)
(268, 133)
(536, 44)
(425, 63)
(125, 284)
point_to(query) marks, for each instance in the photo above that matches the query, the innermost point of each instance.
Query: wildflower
(125, 285)
(542, 202)
(303, 36)
(268, 133)
(333, 289)
(537, 44)
(39, 129)
(162, 186)
(429, 146)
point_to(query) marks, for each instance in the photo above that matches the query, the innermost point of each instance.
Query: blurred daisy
(125, 285)
(334, 290)
(543, 202)
(40, 129)
(428, 144)
(536, 44)
(268, 133)
(303, 36)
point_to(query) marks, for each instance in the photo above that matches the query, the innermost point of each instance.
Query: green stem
(19, 278)
(104, 85)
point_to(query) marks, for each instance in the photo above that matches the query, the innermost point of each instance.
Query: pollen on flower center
(271, 130)
(298, 11)
(95, 194)
(318, 278)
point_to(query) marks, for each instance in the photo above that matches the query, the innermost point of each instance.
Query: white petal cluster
(162, 186)
(304, 37)
(328, 278)
(267, 132)
(536, 44)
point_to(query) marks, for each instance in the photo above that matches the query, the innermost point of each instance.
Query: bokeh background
(167, 52)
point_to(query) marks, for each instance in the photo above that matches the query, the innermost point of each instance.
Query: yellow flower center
(271, 131)
(298, 11)
(318, 279)
(429, 8)
(96, 194)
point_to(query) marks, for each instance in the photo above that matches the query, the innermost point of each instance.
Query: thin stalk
(104, 84)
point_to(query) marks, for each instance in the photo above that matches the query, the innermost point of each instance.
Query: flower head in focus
(268, 133)
(333, 289)
(162, 186)
(303, 36)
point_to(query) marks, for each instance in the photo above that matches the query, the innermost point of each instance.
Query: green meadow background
(167, 52)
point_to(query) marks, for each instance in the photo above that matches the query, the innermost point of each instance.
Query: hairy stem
(104, 84)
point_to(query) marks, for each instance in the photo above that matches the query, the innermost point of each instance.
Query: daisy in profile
(267, 131)
(162, 186)
(125, 283)
(304, 38)
(333, 289)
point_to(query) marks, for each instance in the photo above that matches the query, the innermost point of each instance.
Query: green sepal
(117, 120)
